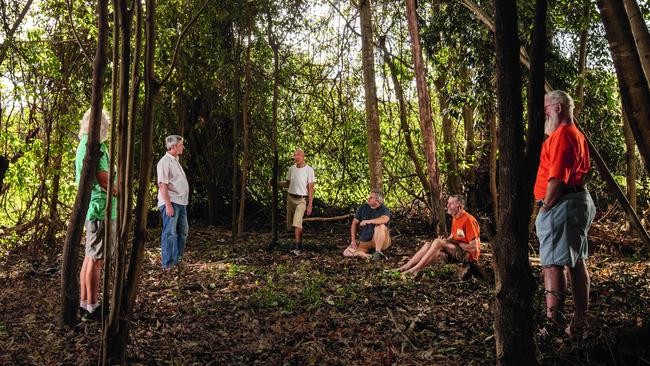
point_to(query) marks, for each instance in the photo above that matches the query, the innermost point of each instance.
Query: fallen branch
(333, 218)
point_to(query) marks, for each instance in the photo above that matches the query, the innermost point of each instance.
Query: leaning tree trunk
(514, 285)
(453, 177)
(246, 129)
(372, 110)
(426, 121)
(403, 118)
(630, 164)
(274, 130)
(69, 279)
(635, 92)
(641, 34)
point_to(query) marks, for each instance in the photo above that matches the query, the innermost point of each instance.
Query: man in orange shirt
(463, 245)
(566, 212)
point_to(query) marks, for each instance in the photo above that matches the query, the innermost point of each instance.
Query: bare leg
(580, 283)
(415, 258)
(428, 257)
(555, 285)
(297, 231)
(83, 294)
(378, 237)
(92, 280)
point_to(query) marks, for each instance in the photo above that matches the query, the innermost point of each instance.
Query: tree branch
(74, 32)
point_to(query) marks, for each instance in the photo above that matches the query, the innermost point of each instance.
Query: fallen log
(332, 218)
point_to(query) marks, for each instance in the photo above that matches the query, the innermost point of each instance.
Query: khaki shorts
(296, 207)
(365, 246)
(95, 238)
(458, 255)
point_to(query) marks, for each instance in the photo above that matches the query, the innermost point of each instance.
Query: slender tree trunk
(470, 147)
(630, 162)
(513, 308)
(10, 33)
(246, 130)
(117, 351)
(641, 34)
(111, 326)
(235, 138)
(494, 148)
(370, 88)
(426, 121)
(69, 274)
(582, 60)
(453, 178)
(274, 130)
(635, 92)
(403, 118)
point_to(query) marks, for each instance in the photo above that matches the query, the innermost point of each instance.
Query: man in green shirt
(94, 253)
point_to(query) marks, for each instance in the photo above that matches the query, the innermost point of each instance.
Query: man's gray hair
(84, 125)
(562, 97)
(459, 198)
(173, 140)
(379, 195)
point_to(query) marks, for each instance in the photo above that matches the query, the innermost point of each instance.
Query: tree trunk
(117, 350)
(69, 274)
(494, 148)
(453, 179)
(372, 110)
(641, 34)
(630, 164)
(582, 59)
(514, 284)
(635, 93)
(403, 118)
(246, 130)
(426, 121)
(235, 138)
(274, 131)
(470, 148)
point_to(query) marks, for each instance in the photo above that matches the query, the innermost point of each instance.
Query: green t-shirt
(97, 206)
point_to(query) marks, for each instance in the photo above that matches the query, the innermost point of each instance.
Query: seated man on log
(462, 246)
(371, 221)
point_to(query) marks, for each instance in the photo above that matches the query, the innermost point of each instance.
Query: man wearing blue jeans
(173, 196)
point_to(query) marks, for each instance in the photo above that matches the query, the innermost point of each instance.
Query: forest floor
(239, 304)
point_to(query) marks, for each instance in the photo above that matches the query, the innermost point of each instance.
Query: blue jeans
(174, 235)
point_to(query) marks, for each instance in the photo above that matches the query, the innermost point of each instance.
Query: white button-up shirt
(170, 172)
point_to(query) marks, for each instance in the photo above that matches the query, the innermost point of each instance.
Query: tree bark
(635, 92)
(453, 178)
(426, 121)
(641, 34)
(494, 148)
(514, 284)
(630, 163)
(370, 88)
(403, 118)
(582, 60)
(470, 147)
(274, 130)
(69, 275)
(246, 130)
(235, 137)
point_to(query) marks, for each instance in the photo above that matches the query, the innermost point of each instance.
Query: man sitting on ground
(371, 221)
(463, 245)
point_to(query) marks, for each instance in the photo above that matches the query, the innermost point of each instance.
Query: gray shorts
(95, 238)
(562, 230)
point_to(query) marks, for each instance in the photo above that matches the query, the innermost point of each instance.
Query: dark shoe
(377, 256)
(463, 273)
(300, 246)
(82, 312)
(91, 317)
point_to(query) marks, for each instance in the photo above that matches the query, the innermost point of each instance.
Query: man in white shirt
(173, 197)
(300, 197)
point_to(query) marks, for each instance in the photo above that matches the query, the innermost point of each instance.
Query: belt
(297, 195)
(573, 189)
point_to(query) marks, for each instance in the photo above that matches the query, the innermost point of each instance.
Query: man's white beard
(550, 124)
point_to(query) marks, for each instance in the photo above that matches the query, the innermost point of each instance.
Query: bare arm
(164, 192)
(353, 232)
(468, 247)
(554, 190)
(310, 190)
(102, 179)
(381, 220)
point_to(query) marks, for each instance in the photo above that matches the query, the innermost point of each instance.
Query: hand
(169, 210)
(309, 210)
(353, 244)
(364, 222)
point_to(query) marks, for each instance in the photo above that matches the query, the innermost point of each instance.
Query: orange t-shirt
(465, 228)
(565, 156)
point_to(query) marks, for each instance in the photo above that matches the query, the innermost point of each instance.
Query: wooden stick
(333, 218)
